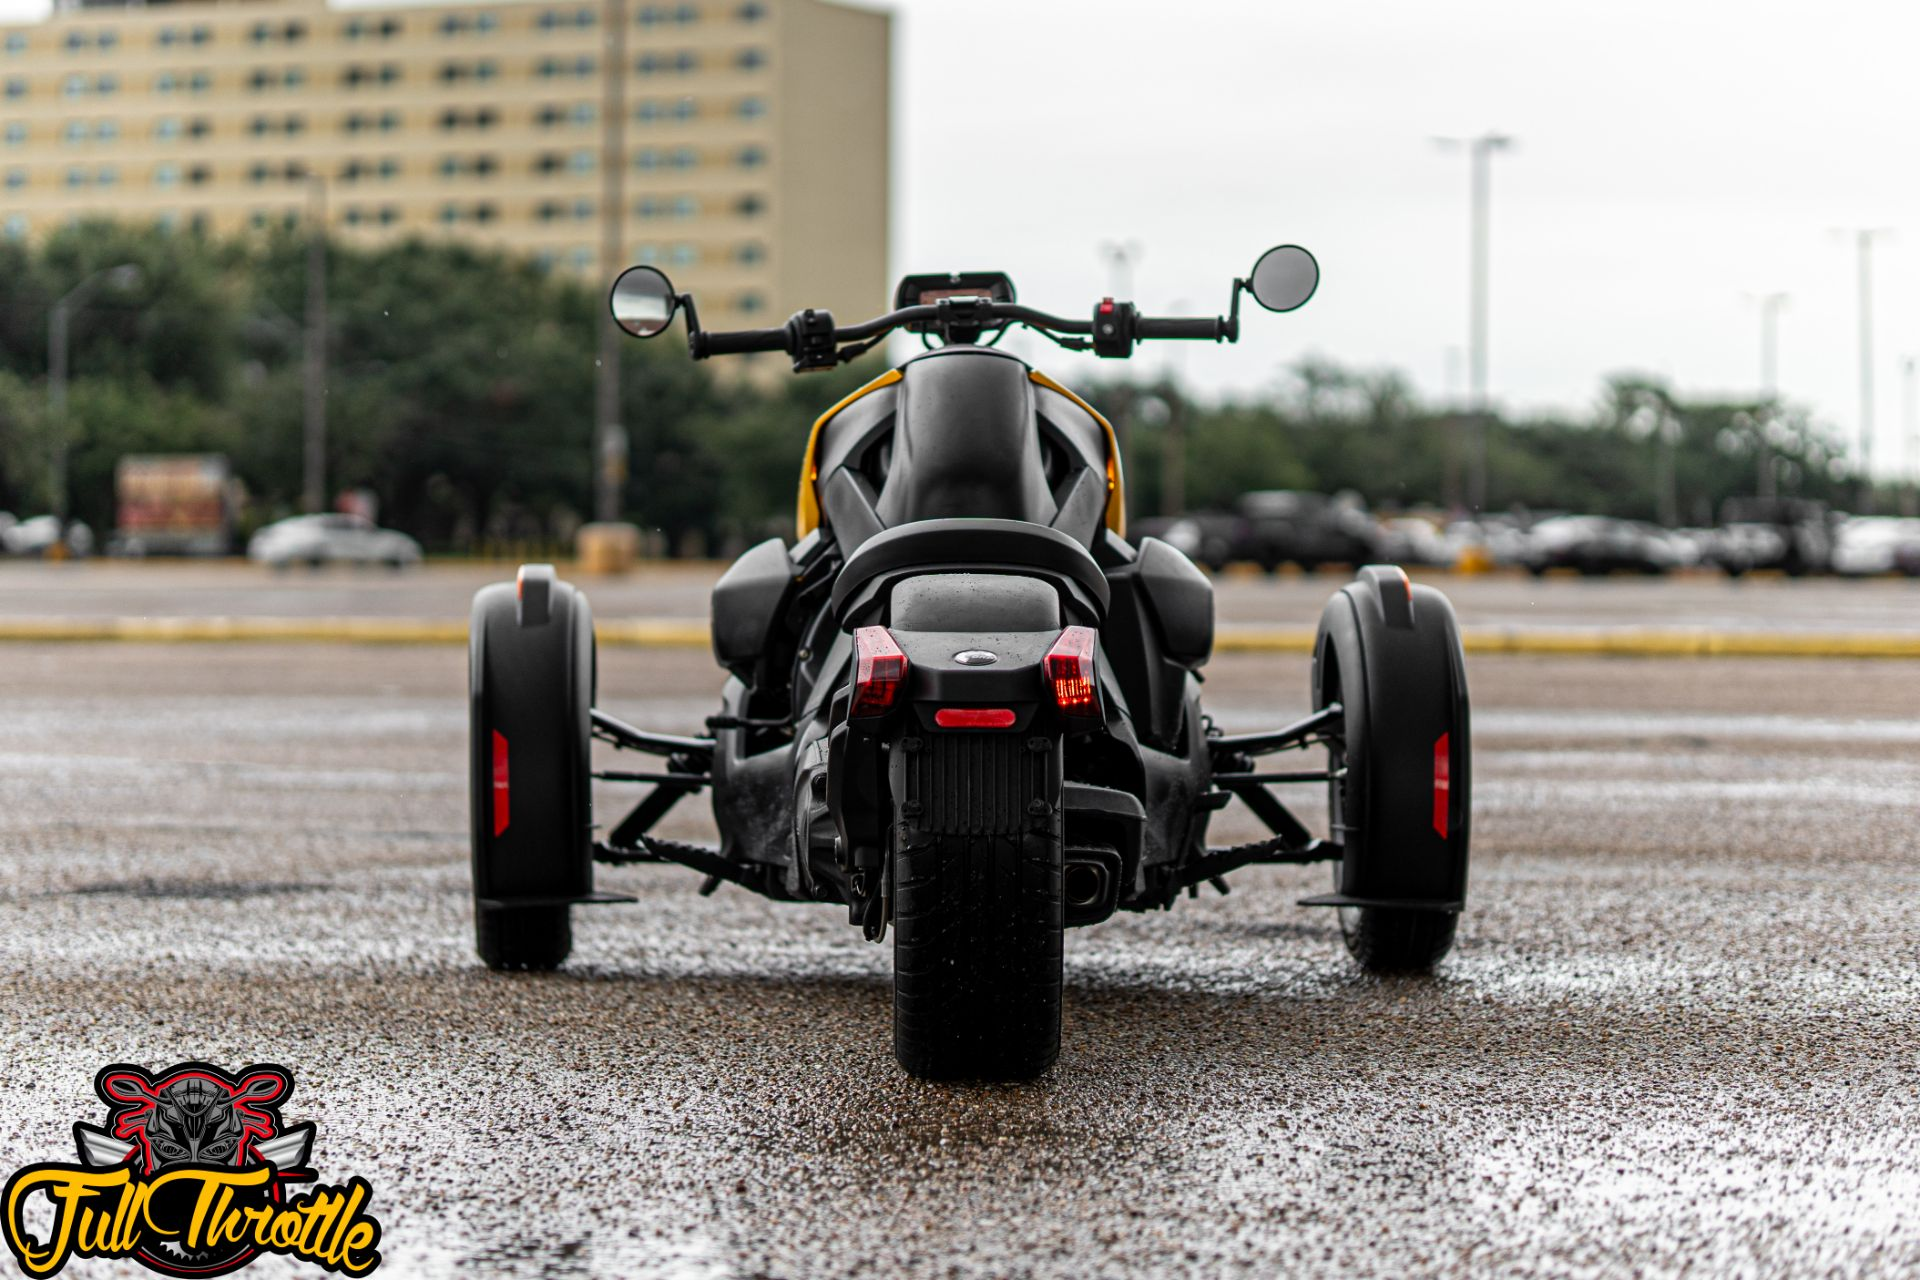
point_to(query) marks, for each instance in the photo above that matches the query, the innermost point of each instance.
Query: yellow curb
(687, 633)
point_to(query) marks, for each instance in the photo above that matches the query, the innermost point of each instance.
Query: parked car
(1793, 535)
(1595, 545)
(1412, 540)
(1867, 545)
(40, 535)
(324, 539)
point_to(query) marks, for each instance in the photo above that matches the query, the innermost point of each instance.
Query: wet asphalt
(1680, 1034)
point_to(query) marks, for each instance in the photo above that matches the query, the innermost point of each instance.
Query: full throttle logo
(192, 1175)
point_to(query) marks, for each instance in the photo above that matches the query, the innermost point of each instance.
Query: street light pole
(1480, 150)
(1770, 305)
(610, 436)
(59, 324)
(313, 488)
(1863, 238)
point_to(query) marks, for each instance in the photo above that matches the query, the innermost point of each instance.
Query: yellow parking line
(689, 633)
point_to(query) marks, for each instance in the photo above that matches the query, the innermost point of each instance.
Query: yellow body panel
(807, 516)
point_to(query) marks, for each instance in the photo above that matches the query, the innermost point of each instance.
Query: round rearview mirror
(1285, 278)
(644, 301)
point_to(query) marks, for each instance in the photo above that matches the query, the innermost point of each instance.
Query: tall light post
(313, 487)
(1863, 238)
(1770, 306)
(59, 322)
(610, 436)
(1121, 258)
(1480, 150)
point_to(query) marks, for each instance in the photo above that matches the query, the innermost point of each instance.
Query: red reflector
(500, 788)
(974, 718)
(1442, 783)
(1071, 672)
(879, 670)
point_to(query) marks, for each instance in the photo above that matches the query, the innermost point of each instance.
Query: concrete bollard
(607, 548)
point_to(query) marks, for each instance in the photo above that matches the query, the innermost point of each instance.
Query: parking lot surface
(1678, 1036)
(678, 590)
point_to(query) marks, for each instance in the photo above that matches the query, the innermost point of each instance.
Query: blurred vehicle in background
(1492, 540)
(1793, 535)
(1866, 545)
(42, 536)
(1413, 540)
(1595, 545)
(179, 504)
(325, 539)
(1272, 527)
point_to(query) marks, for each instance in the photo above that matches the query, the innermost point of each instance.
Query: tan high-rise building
(752, 134)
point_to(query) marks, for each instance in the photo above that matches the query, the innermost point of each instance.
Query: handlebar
(1209, 330)
(815, 343)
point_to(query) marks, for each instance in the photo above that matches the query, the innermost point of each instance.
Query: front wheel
(531, 675)
(978, 916)
(1399, 799)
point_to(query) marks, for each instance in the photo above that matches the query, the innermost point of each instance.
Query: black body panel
(747, 603)
(964, 443)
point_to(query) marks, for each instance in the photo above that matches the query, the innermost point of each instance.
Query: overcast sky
(1671, 158)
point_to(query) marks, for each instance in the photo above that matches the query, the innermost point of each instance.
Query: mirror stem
(1233, 311)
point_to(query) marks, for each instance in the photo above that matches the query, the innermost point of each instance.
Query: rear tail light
(1070, 670)
(975, 717)
(879, 672)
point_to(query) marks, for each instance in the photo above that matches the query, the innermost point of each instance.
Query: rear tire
(978, 917)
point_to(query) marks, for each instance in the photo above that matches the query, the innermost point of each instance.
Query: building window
(647, 112)
(76, 40)
(199, 175)
(201, 35)
(200, 82)
(75, 86)
(581, 162)
(108, 176)
(646, 158)
(749, 303)
(16, 178)
(16, 226)
(352, 216)
(752, 11)
(390, 120)
(684, 255)
(486, 22)
(388, 215)
(685, 109)
(16, 42)
(106, 130)
(76, 177)
(749, 206)
(584, 113)
(166, 127)
(750, 59)
(389, 168)
(199, 127)
(685, 207)
(751, 157)
(684, 158)
(16, 132)
(107, 39)
(166, 175)
(76, 131)
(751, 108)
(16, 87)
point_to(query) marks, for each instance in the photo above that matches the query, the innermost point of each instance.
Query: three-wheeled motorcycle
(961, 706)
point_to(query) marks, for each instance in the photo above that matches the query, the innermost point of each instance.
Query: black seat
(963, 545)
